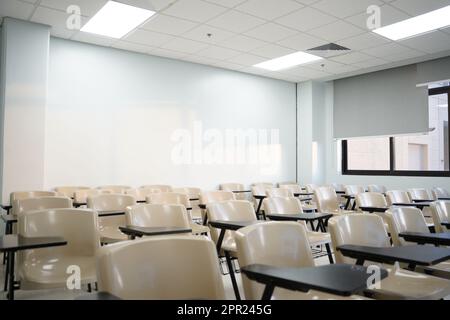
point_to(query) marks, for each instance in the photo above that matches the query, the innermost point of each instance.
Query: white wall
(111, 114)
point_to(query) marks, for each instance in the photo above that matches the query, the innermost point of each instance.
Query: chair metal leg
(232, 276)
(6, 255)
(330, 255)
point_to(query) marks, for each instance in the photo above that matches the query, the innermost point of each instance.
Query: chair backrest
(191, 192)
(232, 187)
(371, 199)
(278, 192)
(278, 244)
(377, 188)
(79, 227)
(403, 219)
(116, 189)
(25, 205)
(159, 187)
(157, 215)
(420, 194)
(69, 191)
(327, 199)
(232, 210)
(397, 196)
(186, 268)
(338, 187)
(169, 198)
(207, 197)
(311, 187)
(286, 183)
(440, 211)
(260, 190)
(357, 229)
(294, 188)
(82, 195)
(353, 190)
(440, 193)
(278, 205)
(110, 202)
(141, 194)
(19, 195)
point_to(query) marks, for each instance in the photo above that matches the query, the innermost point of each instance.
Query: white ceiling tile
(194, 10)
(345, 8)
(242, 43)
(228, 65)
(432, 42)
(269, 9)
(219, 53)
(16, 9)
(306, 19)
(167, 53)
(353, 57)
(167, 24)
(410, 54)
(227, 3)
(302, 42)
(363, 41)
(154, 5)
(336, 31)
(94, 39)
(306, 72)
(236, 21)
(200, 60)
(386, 50)
(149, 38)
(325, 65)
(418, 7)
(389, 15)
(30, 1)
(270, 32)
(124, 45)
(247, 59)
(370, 63)
(56, 19)
(345, 68)
(201, 32)
(254, 70)
(184, 45)
(88, 7)
(272, 51)
(446, 30)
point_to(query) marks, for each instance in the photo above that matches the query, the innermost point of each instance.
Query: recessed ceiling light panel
(289, 61)
(116, 20)
(418, 25)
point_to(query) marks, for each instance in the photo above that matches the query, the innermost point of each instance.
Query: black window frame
(392, 171)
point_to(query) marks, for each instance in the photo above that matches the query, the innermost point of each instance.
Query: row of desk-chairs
(186, 266)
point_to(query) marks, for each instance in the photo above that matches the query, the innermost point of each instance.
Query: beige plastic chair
(266, 244)
(279, 192)
(338, 187)
(294, 206)
(109, 226)
(233, 210)
(69, 191)
(369, 230)
(208, 197)
(397, 196)
(25, 205)
(420, 194)
(82, 195)
(141, 194)
(440, 212)
(157, 215)
(353, 190)
(412, 220)
(47, 267)
(372, 199)
(286, 183)
(159, 187)
(234, 187)
(293, 188)
(193, 193)
(181, 199)
(440, 193)
(185, 268)
(19, 195)
(328, 202)
(311, 187)
(377, 188)
(115, 189)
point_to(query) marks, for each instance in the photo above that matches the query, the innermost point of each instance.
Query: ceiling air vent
(328, 50)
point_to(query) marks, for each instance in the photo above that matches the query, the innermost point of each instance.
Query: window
(421, 155)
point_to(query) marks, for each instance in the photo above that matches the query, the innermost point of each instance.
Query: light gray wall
(111, 115)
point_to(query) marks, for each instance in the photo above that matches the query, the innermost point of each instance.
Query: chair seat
(111, 234)
(229, 244)
(198, 229)
(318, 238)
(284, 294)
(51, 272)
(309, 206)
(339, 212)
(408, 285)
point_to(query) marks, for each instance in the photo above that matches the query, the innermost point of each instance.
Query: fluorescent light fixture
(418, 25)
(289, 61)
(116, 19)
